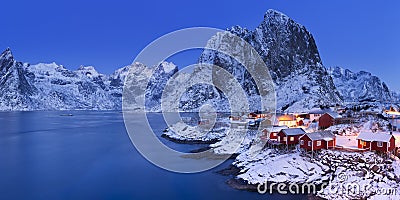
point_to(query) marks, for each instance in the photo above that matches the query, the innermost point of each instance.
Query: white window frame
(319, 143)
(301, 142)
(388, 144)
(309, 143)
(379, 144)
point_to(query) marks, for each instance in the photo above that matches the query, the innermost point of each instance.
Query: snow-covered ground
(360, 175)
(235, 141)
(347, 141)
(336, 170)
(184, 132)
(271, 166)
(346, 129)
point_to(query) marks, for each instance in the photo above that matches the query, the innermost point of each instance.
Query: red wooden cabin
(318, 140)
(327, 120)
(381, 142)
(272, 132)
(290, 136)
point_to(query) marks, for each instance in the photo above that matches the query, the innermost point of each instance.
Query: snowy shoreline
(327, 168)
(254, 165)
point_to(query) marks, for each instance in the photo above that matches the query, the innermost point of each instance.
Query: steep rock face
(15, 89)
(360, 87)
(155, 87)
(63, 89)
(192, 91)
(293, 61)
(53, 87)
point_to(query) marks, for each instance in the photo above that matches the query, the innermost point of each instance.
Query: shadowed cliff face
(15, 89)
(293, 61)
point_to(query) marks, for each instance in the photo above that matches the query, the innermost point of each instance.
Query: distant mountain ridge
(53, 87)
(287, 48)
(360, 86)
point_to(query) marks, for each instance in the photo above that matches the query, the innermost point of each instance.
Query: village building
(287, 120)
(328, 119)
(239, 124)
(271, 132)
(264, 123)
(290, 136)
(380, 142)
(257, 115)
(318, 140)
(316, 113)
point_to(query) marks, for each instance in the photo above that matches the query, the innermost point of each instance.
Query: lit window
(301, 142)
(309, 143)
(380, 144)
(318, 143)
(291, 139)
(274, 134)
(284, 138)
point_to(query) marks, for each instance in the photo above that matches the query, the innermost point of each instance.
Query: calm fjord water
(44, 155)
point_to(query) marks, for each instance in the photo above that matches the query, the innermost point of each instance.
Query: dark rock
(230, 171)
(375, 168)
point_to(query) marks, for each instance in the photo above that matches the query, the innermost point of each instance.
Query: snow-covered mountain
(15, 88)
(360, 86)
(395, 96)
(53, 87)
(290, 52)
(285, 46)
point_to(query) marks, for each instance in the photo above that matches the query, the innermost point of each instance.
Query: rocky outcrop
(360, 86)
(293, 61)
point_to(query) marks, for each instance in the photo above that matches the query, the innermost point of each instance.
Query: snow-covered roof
(334, 114)
(276, 129)
(238, 122)
(293, 131)
(321, 135)
(287, 118)
(377, 137)
(318, 111)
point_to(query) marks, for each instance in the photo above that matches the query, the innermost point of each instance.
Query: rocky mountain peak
(6, 61)
(275, 16)
(7, 54)
(293, 61)
(168, 67)
(359, 86)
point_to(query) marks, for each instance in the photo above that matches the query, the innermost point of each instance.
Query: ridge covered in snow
(49, 86)
(360, 86)
(289, 50)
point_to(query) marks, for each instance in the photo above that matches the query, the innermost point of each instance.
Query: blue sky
(359, 35)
